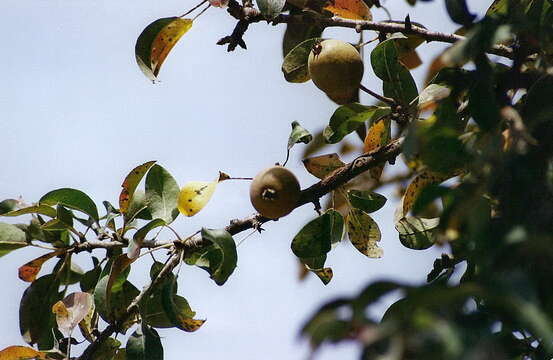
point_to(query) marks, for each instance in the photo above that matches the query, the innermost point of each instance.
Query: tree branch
(253, 16)
(311, 194)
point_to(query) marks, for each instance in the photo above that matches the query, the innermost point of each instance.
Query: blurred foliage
(477, 143)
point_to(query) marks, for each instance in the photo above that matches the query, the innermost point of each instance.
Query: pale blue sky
(77, 112)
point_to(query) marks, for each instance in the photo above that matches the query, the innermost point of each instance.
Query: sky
(76, 111)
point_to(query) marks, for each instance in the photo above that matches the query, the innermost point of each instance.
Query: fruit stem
(194, 8)
(384, 99)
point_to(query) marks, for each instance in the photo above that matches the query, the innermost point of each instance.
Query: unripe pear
(336, 68)
(275, 192)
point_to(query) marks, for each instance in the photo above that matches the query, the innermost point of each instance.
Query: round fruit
(336, 68)
(275, 192)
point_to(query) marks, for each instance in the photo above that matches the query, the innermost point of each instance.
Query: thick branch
(359, 25)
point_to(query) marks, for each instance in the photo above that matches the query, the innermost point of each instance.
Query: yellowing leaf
(30, 270)
(21, 353)
(364, 233)
(415, 187)
(130, 183)
(378, 135)
(189, 324)
(321, 166)
(156, 41)
(324, 274)
(194, 195)
(349, 9)
(71, 311)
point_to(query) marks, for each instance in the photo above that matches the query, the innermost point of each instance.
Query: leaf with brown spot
(129, 185)
(324, 274)
(29, 271)
(321, 166)
(71, 311)
(415, 187)
(156, 41)
(349, 9)
(378, 135)
(21, 353)
(364, 233)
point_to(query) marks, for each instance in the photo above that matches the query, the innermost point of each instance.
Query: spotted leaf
(321, 166)
(415, 187)
(364, 233)
(156, 41)
(129, 185)
(379, 134)
(194, 195)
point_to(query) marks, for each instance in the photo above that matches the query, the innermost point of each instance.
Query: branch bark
(253, 15)
(311, 194)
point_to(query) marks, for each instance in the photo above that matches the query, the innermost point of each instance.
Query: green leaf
(120, 298)
(35, 209)
(538, 107)
(11, 238)
(347, 119)
(91, 277)
(180, 316)
(156, 41)
(36, 319)
(144, 344)
(133, 250)
(364, 233)
(367, 201)
(459, 12)
(417, 233)
(138, 207)
(107, 349)
(294, 66)
(477, 41)
(224, 243)
(270, 8)
(297, 33)
(298, 135)
(153, 313)
(162, 192)
(316, 237)
(64, 215)
(71, 198)
(8, 205)
(398, 82)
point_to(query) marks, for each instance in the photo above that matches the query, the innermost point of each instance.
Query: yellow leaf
(364, 233)
(321, 166)
(30, 270)
(415, 187)
(378, 135)
(21, 353)
(156, 41)
(194, 195)
(349, 9)
(189, 324)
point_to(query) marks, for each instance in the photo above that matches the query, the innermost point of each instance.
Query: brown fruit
(337, 69)
(275, 192)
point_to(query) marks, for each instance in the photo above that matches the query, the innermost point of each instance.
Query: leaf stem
(194, 8)
(201, 12)
(384, 99)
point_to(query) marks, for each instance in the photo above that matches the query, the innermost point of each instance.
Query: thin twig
(194, 8)
(379, 97)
